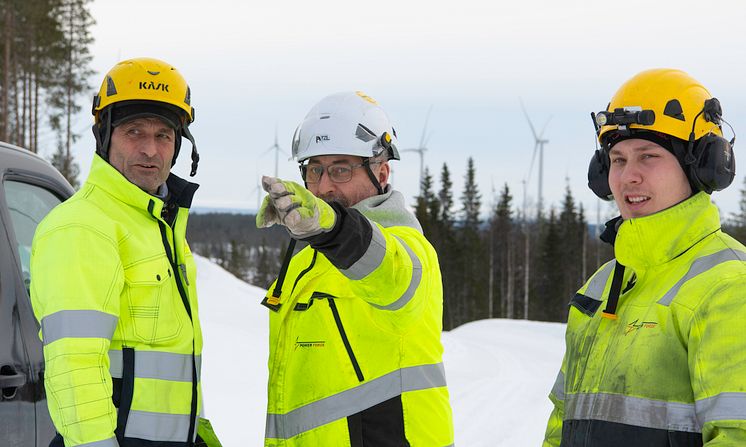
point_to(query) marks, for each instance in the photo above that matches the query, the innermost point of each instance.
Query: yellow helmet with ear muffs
(671, 103)
(143, 87)
(674, 97)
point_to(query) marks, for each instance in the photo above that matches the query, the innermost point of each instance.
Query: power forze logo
(150, 85)
(309, 344)
(637, 324)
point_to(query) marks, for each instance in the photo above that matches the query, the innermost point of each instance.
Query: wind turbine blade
(541, 135)
(424, 128)
(533, 159)
(530, 124)
(269, 149)
(427, 140)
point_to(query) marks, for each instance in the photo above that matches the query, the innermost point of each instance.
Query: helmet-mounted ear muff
(598, 175)
(712, 165)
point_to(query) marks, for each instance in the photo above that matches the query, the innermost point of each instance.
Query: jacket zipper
(172, 259)
(345, 340)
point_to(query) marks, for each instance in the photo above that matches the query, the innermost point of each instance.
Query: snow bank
(499, 371)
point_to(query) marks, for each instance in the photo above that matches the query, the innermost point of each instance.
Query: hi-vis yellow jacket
(113, 287)
(355, 352)
(670, 370)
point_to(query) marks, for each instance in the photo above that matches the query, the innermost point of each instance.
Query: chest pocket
(152, 300)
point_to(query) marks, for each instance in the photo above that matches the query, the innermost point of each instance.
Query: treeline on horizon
(503, 266)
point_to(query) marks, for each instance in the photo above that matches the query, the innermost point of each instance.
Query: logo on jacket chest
(637, 325)
(309, 344)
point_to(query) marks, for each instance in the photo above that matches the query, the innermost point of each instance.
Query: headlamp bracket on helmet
(623, 117)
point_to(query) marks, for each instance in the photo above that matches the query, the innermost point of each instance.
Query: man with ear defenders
(655, 343)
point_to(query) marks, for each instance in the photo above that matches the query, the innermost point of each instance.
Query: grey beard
(332, 198)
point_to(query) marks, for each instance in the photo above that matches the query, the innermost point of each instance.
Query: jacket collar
(105, 176)
(652, 240)
(388, 209)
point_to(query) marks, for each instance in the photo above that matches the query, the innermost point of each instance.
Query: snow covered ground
(499, 371)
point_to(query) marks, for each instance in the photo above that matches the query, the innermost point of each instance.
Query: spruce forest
(495, 266)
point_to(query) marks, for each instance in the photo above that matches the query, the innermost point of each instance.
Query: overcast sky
(257, 66)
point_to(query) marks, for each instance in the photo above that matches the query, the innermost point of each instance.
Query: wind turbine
(258, 190)
(424, 138)
(539, 143)
(275, 147)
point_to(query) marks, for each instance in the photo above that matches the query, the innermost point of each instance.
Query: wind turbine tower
(539, 142)
(275, 147)
(424, 138)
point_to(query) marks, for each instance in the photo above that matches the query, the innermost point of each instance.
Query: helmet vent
(154, 73)
(111, 89)
(364, 134)
(674, 110)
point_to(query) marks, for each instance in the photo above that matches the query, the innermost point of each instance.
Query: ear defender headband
(709, 162)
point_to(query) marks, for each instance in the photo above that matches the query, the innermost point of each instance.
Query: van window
(27, 204)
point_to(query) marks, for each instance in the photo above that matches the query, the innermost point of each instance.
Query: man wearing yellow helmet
(114, 280)
(356, 317)
(656, 353)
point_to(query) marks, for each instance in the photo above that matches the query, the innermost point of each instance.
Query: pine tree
(503, 255)
(472, 251)
(547, 277)
(445, 197)
(427, 208)
(447, 249)
(572, 234)
(470, 199)
(73, 74)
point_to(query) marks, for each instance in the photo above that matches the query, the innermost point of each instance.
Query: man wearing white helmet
(356, 317)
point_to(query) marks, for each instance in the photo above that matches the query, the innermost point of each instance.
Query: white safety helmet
(347, 123)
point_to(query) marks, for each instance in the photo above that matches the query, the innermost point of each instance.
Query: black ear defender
(712, 165)
(598, 169)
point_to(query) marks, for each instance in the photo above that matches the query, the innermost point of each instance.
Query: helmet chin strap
(372, 176)
(195, 155)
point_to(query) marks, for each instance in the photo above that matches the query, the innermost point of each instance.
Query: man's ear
(383, 174)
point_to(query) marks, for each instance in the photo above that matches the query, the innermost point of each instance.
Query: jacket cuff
(348, 241)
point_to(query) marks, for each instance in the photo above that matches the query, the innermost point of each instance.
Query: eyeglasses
(338, 172)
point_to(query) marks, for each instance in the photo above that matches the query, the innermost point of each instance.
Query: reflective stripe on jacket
(113, 288)
(671, 369)
(355, 352)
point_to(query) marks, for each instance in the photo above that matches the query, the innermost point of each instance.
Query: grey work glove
(295, 207)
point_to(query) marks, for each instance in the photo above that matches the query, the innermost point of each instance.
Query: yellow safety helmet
(143, 87)
(674, 110)
(674, 98)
